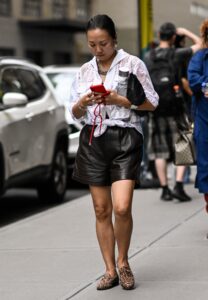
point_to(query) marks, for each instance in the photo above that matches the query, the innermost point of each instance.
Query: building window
(82, 9)
(32, 8)
(7, 52)
(35, 55)
(62, 58)
(5, 8)
(59, 8)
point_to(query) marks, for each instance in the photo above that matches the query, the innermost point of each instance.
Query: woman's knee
(123, 212)
(102, 212)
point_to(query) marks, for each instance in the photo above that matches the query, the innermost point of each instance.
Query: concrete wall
(123, 12)
(125, 16)
(10, 35)
(178, 12)
(21, 40)
(48, 42)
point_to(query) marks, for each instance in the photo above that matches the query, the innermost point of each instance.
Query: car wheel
(54, 189)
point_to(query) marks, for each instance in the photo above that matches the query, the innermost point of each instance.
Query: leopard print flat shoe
(107, 282)
(126, 278)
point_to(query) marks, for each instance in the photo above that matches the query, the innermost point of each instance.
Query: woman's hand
(112, 98)
(90, 99)
(115, 99)
(206, 94)
(80, 108)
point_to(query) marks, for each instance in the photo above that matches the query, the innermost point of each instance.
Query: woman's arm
(147, 105)
(115, 99)
(80, 107)
(78, 104)
(152, 97)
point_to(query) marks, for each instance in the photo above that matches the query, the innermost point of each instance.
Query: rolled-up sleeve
(74, 96)
(144, 77)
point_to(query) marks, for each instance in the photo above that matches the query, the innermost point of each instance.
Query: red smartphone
(99, 89)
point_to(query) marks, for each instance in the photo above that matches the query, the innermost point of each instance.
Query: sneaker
(107, 282)
(180, 194)
(166, 195)
(126, 278)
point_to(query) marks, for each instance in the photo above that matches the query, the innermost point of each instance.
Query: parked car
(61, 78)
(33, 131)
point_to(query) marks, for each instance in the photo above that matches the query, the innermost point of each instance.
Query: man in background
(164, 65)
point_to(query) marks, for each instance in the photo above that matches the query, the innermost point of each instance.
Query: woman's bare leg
(122, 193)
(102, 202)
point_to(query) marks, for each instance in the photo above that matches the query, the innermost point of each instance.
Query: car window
(57, 78)
(62, 83)
(21, 80)
(32, 85)
(9, 82)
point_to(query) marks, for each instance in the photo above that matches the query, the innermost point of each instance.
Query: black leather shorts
(113, 156)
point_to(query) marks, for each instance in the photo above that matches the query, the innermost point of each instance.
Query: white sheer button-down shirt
(117, 116)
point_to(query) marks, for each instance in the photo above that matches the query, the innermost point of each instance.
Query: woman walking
(111, 144)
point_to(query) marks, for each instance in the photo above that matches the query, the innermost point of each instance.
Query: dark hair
(102, 22)
(167, 31)
(179, 39)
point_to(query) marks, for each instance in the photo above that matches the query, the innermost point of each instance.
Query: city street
(20, 203)
(89, 89)
(51, 252)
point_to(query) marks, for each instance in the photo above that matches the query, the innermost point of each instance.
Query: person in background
(148, 175)
(111, 144)
(180, 42)
(163, 127)
(198, 76)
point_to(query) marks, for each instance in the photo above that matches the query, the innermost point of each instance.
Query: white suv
(33, 131)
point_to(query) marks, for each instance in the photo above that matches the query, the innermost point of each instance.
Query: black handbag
(135, 93)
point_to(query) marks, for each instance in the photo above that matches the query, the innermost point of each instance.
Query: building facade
(186, 13)
(53, 31)
(42, 30)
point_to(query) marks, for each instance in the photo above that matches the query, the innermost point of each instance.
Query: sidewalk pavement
(54, 255)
